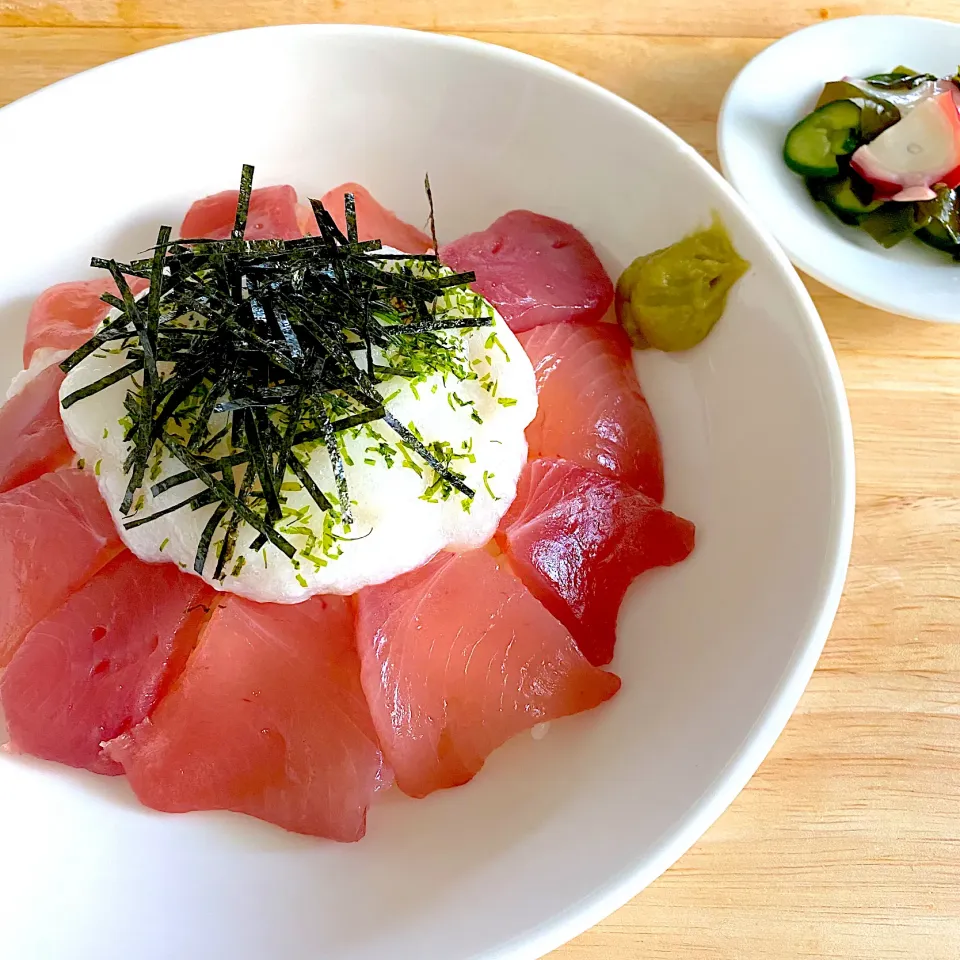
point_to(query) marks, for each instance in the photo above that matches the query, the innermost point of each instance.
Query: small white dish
(714, 653)
(775, 90)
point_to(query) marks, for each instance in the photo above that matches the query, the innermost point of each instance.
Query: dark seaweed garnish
(240, 359)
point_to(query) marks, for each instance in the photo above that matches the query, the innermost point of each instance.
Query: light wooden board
(846, 844)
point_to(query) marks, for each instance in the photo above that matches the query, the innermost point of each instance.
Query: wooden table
(846, 844)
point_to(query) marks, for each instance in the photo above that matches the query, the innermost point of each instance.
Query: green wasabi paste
(672, 298)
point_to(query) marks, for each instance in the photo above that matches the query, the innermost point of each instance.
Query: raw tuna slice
(272, 215)
(99, 663)
(534, 270)
(55, 533)
(592, 410)
(32, 441)
(267, 719)
(578, 539)
(457, 658)
(374, 221)
(66, 315)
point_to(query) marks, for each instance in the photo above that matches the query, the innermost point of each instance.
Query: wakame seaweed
(253, 341)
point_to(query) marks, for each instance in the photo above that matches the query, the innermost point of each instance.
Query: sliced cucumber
(935, 235)
(843, 198)
(813, 145)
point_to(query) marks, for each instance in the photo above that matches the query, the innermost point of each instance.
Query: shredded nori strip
(336, 462)
(259, 454)
(109, 332)
(203, 547)
(454, 479)
(432, 221)
(202, 422)
(121, 373)
(243, 201)
(350, 215)
(197, 500)
(309, 484)
(227, 495)
(178, 479)
(233, 527)
(328, 226)
(138, 458)
(241, 351)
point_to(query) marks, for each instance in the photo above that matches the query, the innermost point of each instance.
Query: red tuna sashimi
(268, 719)
(374, 221)
(98, 664)
(457, 658)
(272, 215)
(578, 539)
(591, 409)
(534, 270)
(55, 533)
(32, 441)
(66, 315)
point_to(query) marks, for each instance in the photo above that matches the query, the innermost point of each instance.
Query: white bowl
(775, 90)
(553, 834)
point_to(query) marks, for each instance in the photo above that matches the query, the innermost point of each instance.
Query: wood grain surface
(846, 844)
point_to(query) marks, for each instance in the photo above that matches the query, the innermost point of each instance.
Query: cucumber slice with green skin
(841, 197)
(813, 145)
(934, 235)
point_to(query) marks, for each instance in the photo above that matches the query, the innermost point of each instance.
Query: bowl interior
(771, 94)
(713, 654)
